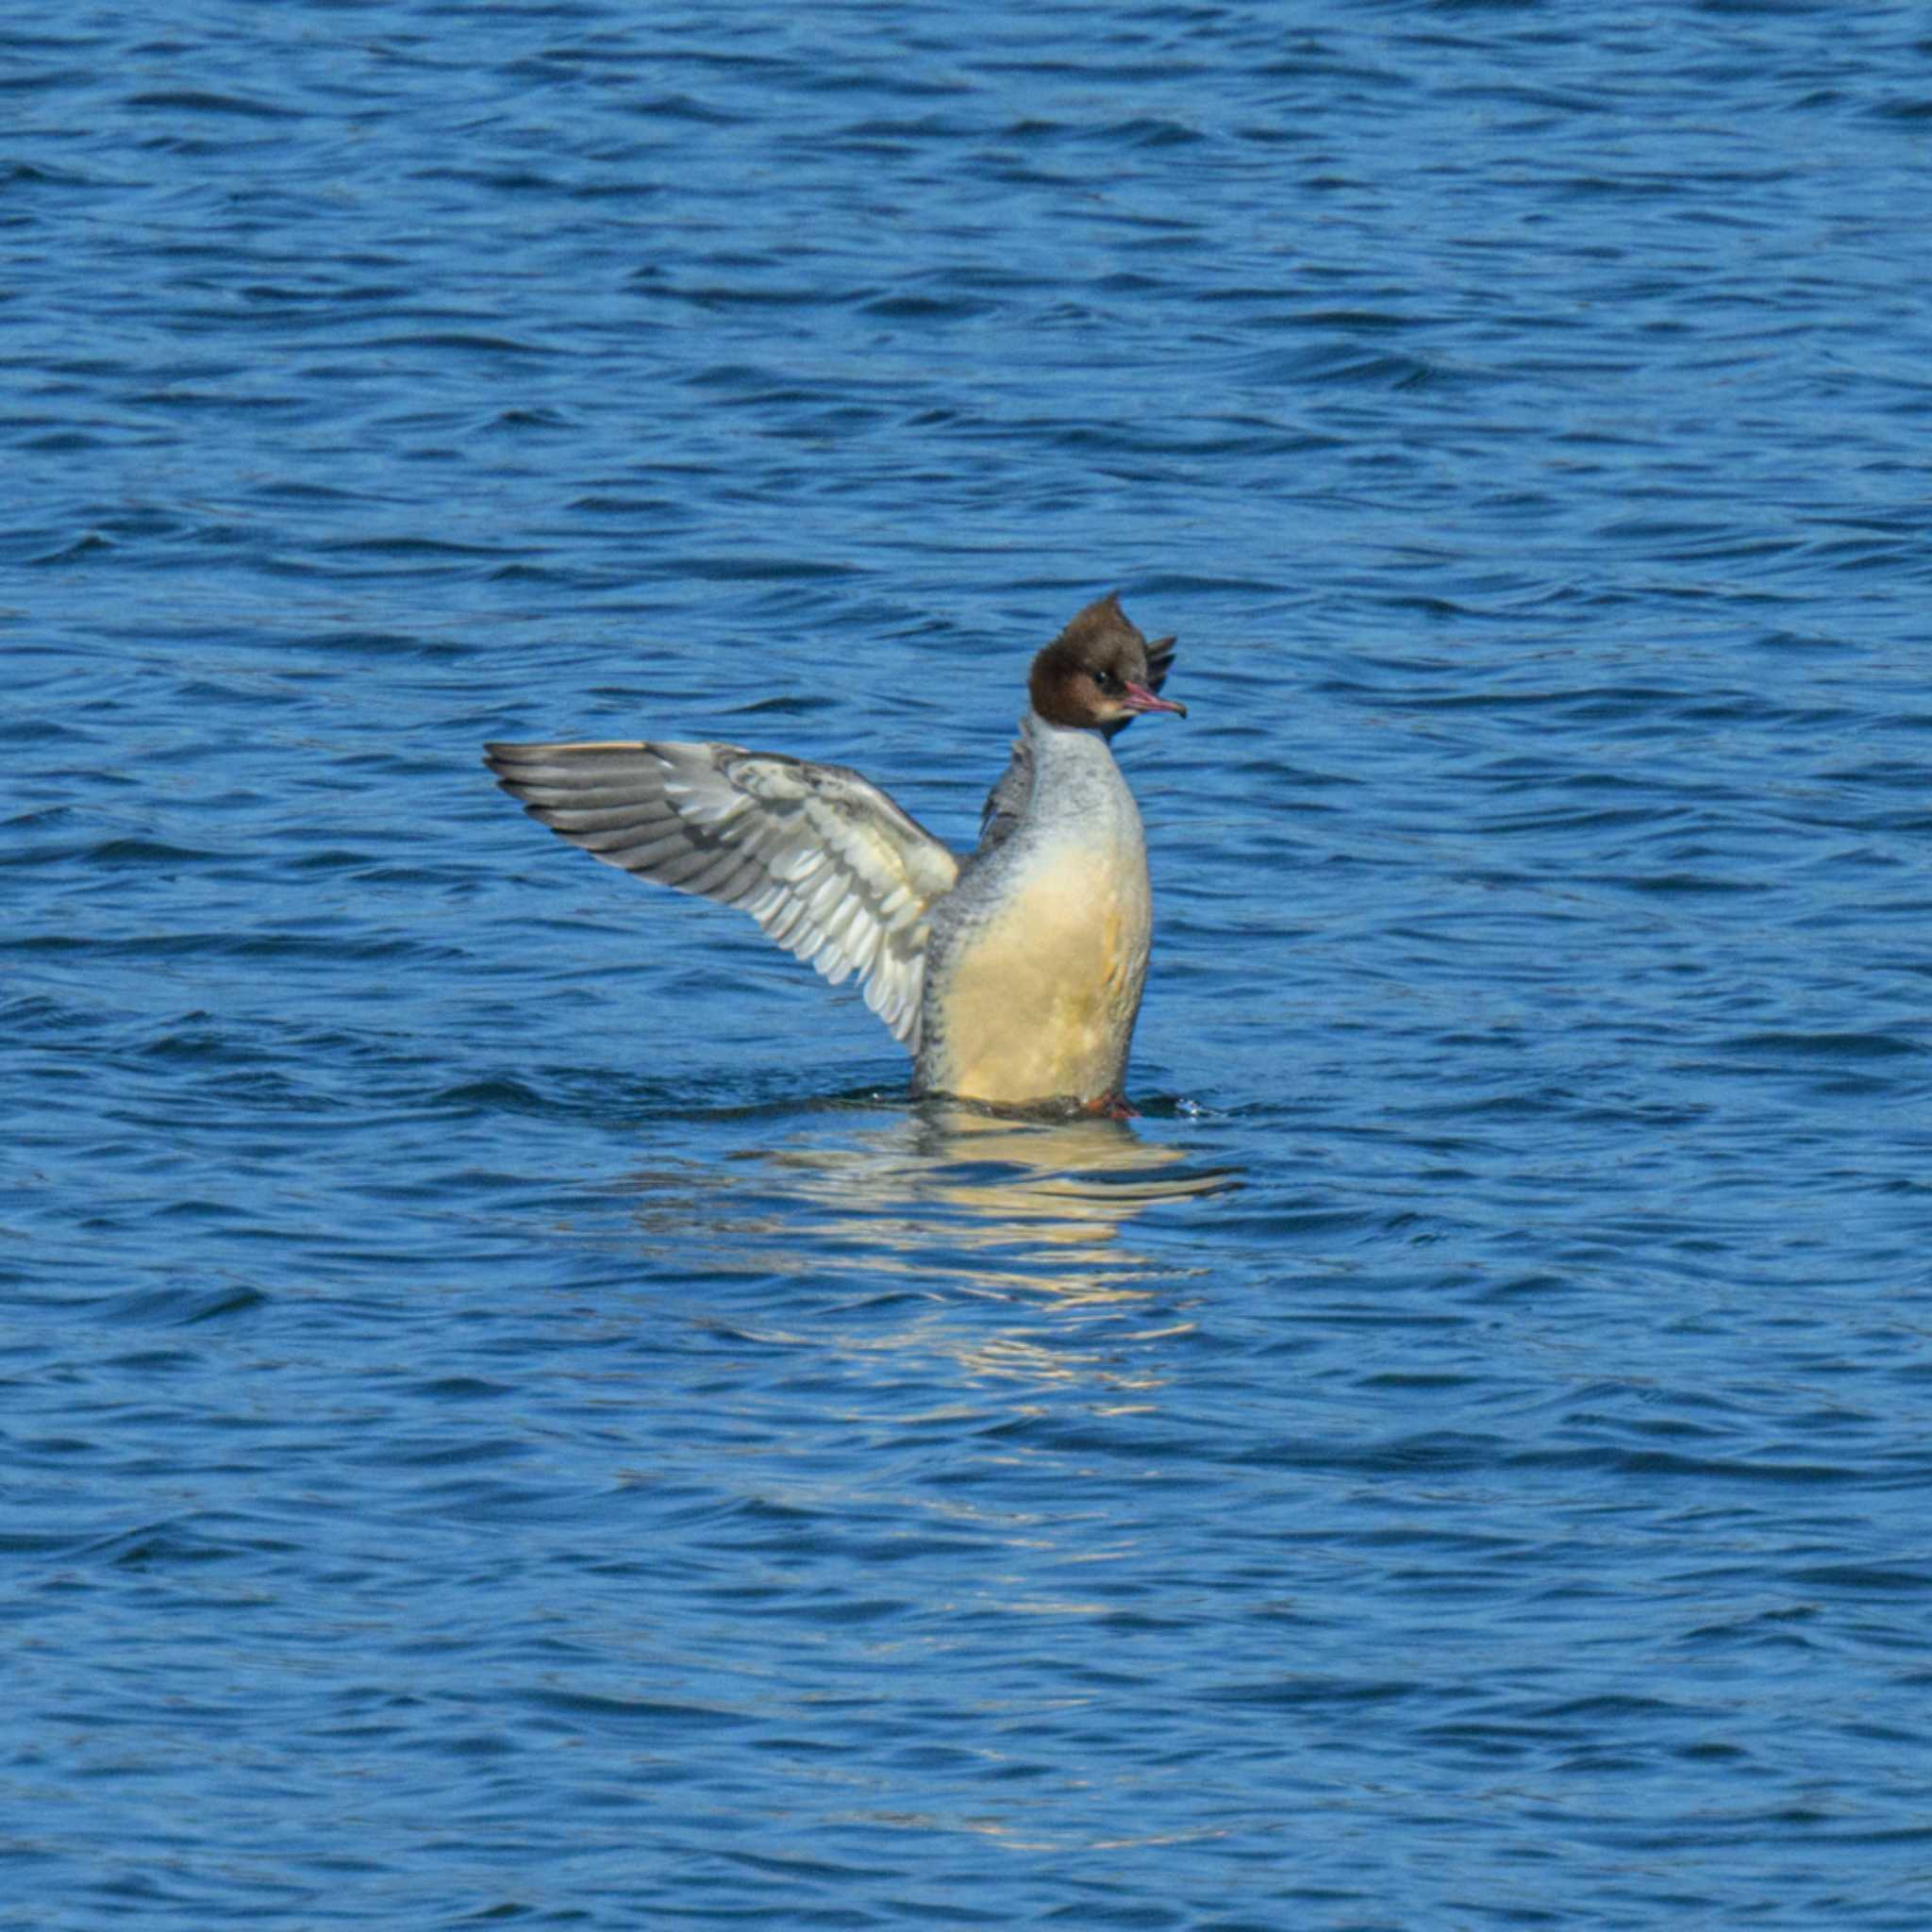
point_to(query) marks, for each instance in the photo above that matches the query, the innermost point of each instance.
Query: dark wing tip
(1160, 662)
(500, 757)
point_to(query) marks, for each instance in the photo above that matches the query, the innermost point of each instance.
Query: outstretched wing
(821, 857)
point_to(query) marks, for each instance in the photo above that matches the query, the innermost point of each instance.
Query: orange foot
(1112, 1106)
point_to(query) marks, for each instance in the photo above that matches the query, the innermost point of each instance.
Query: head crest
(1100, 672)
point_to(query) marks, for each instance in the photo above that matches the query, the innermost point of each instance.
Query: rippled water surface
(511, 1417)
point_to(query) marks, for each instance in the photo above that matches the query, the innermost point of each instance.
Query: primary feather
(831, 868)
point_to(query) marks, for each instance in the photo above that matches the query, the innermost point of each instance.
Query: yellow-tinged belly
(1039, 1003)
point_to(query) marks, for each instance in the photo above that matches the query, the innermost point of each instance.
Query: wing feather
(831, 868)
(1007, 801)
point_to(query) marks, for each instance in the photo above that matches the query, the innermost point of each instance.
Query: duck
(1013, 973)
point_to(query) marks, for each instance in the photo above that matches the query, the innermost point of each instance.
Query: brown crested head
(1100, 674)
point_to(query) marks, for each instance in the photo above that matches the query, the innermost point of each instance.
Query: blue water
(509, 1415)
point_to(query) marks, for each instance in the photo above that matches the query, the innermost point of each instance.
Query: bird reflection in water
(942, 1198)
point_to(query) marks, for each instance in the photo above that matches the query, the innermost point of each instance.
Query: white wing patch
(819, 857)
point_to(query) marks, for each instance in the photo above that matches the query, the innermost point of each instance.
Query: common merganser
(1012, 976)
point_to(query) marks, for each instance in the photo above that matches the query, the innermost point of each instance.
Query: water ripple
(515, 1415)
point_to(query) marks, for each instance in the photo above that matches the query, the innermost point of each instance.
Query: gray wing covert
(1007, 799)
(833, 870)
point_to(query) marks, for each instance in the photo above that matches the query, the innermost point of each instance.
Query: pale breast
(1037, 1001)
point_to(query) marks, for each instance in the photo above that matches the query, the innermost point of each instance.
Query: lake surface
(510, 1415)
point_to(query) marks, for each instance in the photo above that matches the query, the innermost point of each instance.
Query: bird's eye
(1108, 682)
